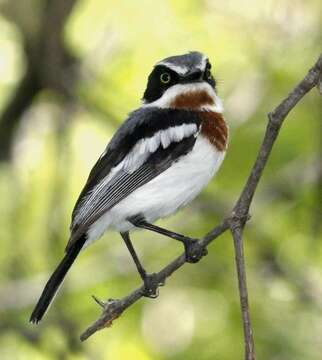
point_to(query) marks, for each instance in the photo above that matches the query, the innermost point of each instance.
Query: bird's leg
(151, 282)
(193, 250)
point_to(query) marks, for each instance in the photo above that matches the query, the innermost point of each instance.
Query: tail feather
(55, 281)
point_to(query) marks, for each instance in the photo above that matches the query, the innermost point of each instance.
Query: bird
(158, 161)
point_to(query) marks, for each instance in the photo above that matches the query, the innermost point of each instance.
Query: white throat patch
(174, 91)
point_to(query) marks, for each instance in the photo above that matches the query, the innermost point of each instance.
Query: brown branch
(112, 309)
(241, 209)
(54, 61)
(236, 228)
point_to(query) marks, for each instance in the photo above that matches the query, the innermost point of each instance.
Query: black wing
(142, 124)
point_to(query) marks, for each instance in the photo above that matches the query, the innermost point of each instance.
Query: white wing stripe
(146, 146)
(153, 142)
(165, 139)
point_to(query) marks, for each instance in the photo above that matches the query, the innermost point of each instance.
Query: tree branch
(112, 309)
(49, 65)
(241, 209)
(236, 228)
(12, 114)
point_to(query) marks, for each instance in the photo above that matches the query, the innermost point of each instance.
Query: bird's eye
(165, 78)
(208, 74)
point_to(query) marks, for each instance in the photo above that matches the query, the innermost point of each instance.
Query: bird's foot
(151, 286)
(194, 250)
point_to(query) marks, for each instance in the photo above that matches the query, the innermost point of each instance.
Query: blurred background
(70, 72)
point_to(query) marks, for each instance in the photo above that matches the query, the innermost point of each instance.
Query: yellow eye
(165, 78)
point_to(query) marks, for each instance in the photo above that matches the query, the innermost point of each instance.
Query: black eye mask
(156, 84)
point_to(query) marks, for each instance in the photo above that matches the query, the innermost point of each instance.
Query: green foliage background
(259, 51)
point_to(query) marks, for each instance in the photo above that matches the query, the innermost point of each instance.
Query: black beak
(193, 76)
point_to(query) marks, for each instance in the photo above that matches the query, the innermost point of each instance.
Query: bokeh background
(70, 71)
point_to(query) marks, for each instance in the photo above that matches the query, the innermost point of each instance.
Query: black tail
(55, 281)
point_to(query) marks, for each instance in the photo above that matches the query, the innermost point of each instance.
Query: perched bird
(159, 160)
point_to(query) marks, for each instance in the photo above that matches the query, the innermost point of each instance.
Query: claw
(151, 286)
(194, 251)
(161, 282)
(99, 302)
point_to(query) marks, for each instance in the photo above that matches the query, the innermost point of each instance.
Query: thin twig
(241, 209)
(236, 227)
(235, 222)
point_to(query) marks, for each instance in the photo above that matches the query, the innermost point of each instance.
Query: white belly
(166, 193)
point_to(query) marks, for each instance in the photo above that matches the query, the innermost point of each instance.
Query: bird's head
(183, 81)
